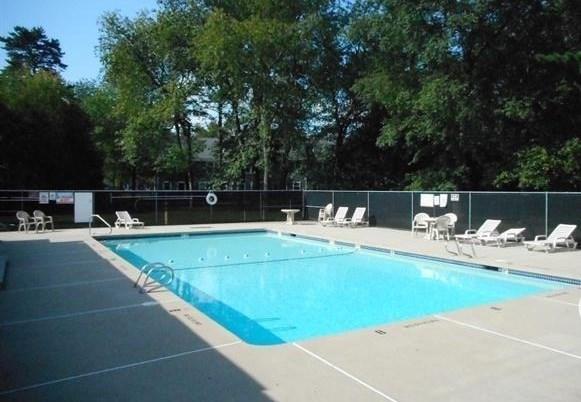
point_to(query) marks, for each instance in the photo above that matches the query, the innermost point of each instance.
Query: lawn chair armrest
(470, 231)
(540, 237)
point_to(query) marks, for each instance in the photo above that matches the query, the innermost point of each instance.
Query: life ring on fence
(211, 199)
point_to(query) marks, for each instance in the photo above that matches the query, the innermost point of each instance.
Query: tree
(258, 53)
(45, 136)
(99, 101)
(31, 50)
(147, 61)
(467, 85)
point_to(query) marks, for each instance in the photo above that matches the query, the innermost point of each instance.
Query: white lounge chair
(488, 228)
(560, 236)
(326, 214)
(358, 218)
(420, 223)
(123, 218)
(500, 240)
(339, 218)
(25, 221)
(43, 219)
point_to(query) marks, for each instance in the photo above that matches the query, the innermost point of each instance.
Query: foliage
(44, 134)
(382, 94)
(31, 50)
(99, 101)
(147, 61)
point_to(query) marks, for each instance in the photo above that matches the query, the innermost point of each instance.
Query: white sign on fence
(426, 200)
(43, 197)
(83, 207)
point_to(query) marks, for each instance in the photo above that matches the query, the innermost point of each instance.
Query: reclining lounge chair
(561, 236)
(123, 218)
(500, 240)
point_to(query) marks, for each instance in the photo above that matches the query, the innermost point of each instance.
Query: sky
(75, 23)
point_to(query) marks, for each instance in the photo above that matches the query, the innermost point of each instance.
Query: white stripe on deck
(555, 300)
(510, 337)
(113, 369)
(27, 265)
(351, 376)
(78, 314)
(65, 285)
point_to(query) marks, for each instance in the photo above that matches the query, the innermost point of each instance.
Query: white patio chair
(441, 227)
(43, 219)
(25, 221)
(488, 228)
(453, 219)
(420, 223)
(358, 218)
(326, 214)
(339, 218)
(500, 240)
(123, 218)
(561, 236)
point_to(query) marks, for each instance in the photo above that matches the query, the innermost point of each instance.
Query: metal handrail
(102, 220)
(148, 269)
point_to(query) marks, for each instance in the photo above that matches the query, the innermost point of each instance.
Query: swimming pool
(270, 288)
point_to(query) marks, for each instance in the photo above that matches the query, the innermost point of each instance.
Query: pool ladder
(167, 277)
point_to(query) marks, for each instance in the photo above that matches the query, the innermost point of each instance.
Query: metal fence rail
(539, 212)
(155, 207)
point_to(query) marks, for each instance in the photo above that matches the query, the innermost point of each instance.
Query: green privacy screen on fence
(537, 211)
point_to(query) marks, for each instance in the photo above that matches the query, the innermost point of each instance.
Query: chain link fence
(539, 212)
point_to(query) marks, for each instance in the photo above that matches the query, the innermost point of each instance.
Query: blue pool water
(270, 289)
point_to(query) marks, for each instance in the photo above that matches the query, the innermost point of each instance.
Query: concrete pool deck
(72, 327)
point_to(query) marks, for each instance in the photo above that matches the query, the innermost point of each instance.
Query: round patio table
(290, 215)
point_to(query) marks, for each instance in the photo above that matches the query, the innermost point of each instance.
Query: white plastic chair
(420, 223)
(358, 218)
(43, 219)
(562, 235)
(339, 218)
(25, 221)
(326, 214)
(453, 219)
(441, 226)
(510, 235)
(488, 228)
(123, 218)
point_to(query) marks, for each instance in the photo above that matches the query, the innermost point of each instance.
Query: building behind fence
(539, 212)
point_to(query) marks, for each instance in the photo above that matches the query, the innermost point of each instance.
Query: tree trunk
(220, 137)
(187, 133)
(265, 134)
(339, 141)
(133, 178)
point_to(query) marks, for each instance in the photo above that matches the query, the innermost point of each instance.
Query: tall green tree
(147, 60)
(258, 55)
(465, 85)
(45, 136)
(99, 101)
(32, 50)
